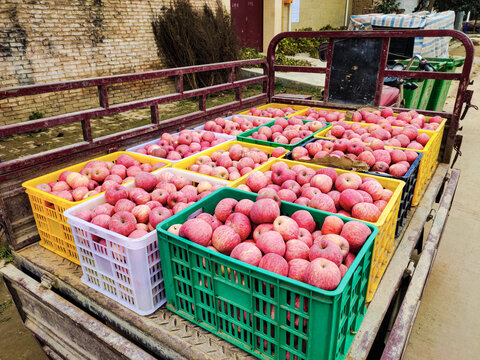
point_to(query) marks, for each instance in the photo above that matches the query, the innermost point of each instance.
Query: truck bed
(166, 335)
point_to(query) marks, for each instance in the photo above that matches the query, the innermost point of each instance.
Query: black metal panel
(354, 72)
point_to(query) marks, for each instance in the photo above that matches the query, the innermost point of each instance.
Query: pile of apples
(379, 158)
(384, 116)
(97, 176)
(346, 194)
(287, 131)
(233, 163)
(271, 112)
(294, 246)
(323, 115)
(154, 198)
(181, 145)
(407, 137)
(235, 126)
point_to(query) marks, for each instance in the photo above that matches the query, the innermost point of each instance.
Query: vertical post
(87, 130)
(202, 102)
(328, 70)
(103, 96)
(265, 82)
(238, 94)
(271, 73)
(154, 114)
(179, 83)
(381, 71)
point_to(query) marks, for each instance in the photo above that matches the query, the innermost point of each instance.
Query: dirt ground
(16, 341)
(446, 326)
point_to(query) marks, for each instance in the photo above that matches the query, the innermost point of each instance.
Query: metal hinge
(408, 272)
(46, 282)
(467, 101)
(431, 215)
(456, 146)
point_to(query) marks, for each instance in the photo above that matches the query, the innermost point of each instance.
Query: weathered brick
(63, 44)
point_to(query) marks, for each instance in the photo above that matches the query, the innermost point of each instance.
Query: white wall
(408, 5)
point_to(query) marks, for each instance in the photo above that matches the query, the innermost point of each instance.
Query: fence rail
(89, 143)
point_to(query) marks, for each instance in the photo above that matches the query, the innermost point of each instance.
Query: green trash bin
(441, 87)
(420, 97)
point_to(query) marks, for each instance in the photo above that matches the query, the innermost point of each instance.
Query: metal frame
(463, 77)
(10, 169)
(89, 145)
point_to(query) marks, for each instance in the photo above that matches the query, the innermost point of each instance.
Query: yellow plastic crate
(299, 108)
(438, 130)
(384, 242)
(428, 165)
(429, 161)
(185, 164)
(55, 233)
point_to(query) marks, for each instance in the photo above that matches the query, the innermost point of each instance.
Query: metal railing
(90, 144)
(386, 36)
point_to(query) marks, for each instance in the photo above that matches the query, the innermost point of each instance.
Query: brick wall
(362, 7)
(44, 41)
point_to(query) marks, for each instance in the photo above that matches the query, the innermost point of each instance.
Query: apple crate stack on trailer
(333, 190)
(51, 194)
(254, 298)
(115, 236)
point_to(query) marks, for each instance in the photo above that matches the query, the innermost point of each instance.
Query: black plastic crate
(410, 179)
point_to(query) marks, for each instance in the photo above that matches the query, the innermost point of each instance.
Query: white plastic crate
(133, 149)
(264, 119)
(126, 270)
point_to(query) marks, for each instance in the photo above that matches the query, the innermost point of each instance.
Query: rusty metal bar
(154, 114)
(87, 130)
(326, 86)
(9, 169)
(202, 102)
(118, 108)
(404, 74)
(397, 340)
(302, 69)
(115, 79)
(179, 83)
(103, 96)
(238, 94)
(457, 110)
(381, 70)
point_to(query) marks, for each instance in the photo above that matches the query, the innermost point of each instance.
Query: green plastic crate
(441, 87)
(245, 136)
(265, 314)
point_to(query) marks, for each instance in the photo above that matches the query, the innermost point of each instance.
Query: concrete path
(447, 325)
(293, 79)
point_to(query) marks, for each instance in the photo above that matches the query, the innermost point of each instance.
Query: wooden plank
(163, 333)
(390, 282)
(65, 328)
(398, 337)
